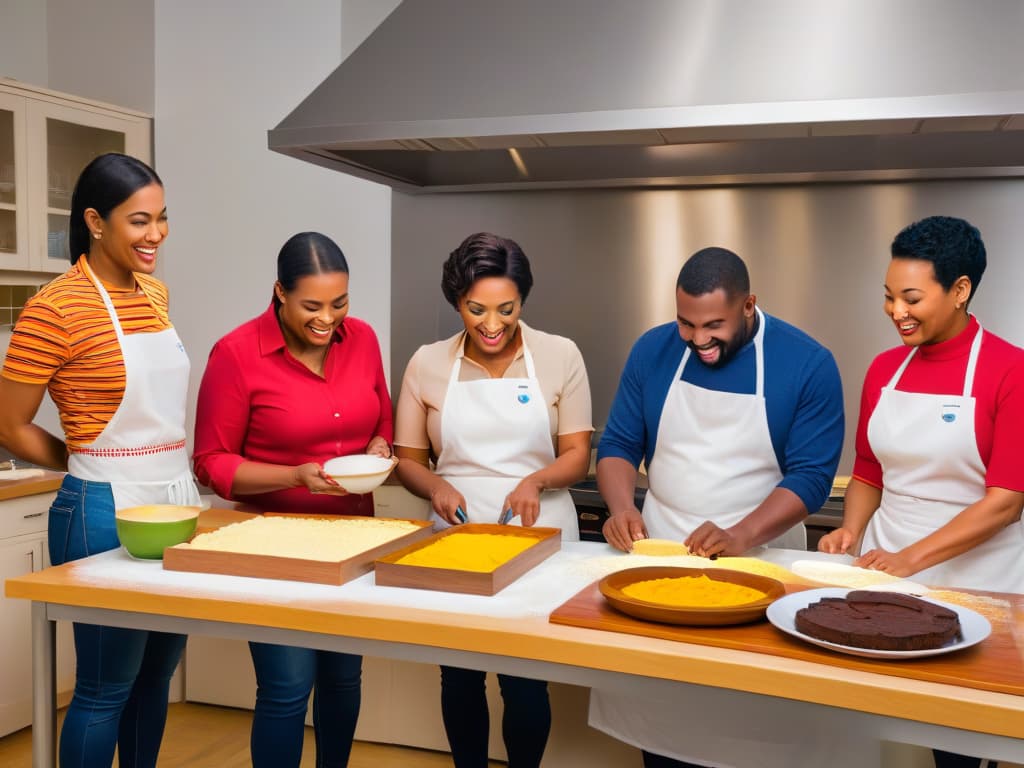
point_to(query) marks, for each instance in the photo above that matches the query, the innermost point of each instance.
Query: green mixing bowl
(147, 531)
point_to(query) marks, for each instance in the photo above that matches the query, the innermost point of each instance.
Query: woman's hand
(893, 563)
(313, 477)
(837, 542)
(445, 500)
(524, 501)
(379, 447)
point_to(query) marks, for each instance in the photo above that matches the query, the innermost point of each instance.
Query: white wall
(23, 41)
(100, 50)
(226, 73)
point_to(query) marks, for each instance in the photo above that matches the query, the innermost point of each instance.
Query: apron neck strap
(972, 364)
(531, 371)
(105, 297)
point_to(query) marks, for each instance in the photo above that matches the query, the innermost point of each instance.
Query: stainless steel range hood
(453, 95)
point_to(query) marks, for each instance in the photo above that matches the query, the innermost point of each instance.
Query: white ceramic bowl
(359, 473)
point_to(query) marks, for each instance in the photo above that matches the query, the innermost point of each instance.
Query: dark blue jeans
(284, 678)
(122, 675)
(525, 723)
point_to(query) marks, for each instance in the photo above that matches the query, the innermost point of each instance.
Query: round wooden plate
(611, 587)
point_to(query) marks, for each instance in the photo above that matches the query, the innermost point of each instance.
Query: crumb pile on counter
(481, 552)
(306, 538)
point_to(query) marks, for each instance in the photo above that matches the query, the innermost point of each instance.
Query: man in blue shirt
(739, 418)
(738, 415)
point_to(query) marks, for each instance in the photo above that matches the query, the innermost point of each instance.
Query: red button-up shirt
(258, 403)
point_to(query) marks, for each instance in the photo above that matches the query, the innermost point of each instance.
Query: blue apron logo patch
(524, 393)
(949, 413)
(524, 399)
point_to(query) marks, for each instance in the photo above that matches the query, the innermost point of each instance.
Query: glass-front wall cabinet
(46, 139)
(12, 182)
(69, 148)
(8, 192)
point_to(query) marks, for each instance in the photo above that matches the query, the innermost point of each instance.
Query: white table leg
(44, 689)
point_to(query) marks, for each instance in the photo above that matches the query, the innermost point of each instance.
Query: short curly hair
(952, 245)
(711, 269)
(485, 255)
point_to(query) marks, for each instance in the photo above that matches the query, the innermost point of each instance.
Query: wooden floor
(203, 736)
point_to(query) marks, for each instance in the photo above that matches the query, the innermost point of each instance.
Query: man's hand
(623, 528)
(711, 541)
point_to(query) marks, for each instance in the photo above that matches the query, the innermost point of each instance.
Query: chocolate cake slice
(881, 621)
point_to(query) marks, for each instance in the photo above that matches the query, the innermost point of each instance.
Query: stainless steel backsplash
(605, 262)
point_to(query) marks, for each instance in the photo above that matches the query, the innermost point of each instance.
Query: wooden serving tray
(996, 664)
(390, 573)
(184, 558)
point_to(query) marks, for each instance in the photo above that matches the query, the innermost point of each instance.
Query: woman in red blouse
(282, 394)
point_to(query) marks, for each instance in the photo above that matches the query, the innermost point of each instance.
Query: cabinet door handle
(34, 514)
(31, 561)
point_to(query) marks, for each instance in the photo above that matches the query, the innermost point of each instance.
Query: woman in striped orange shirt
(100, 340)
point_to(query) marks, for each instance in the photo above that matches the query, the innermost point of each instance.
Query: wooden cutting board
(995, 664)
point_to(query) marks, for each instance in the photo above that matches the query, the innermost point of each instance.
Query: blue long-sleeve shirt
(802, 388)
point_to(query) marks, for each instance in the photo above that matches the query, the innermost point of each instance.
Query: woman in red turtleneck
(938, 484)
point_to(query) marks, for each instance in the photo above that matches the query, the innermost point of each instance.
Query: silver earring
(97, 235)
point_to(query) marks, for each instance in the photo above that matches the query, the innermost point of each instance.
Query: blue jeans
(285, 676)
(122, 675)
(525, 723)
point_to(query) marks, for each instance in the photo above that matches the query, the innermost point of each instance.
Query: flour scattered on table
(994, 609)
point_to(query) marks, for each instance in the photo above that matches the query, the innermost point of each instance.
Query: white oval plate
(852, 577)
(782, 613)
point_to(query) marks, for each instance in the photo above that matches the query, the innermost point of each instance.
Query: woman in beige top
(502, 411)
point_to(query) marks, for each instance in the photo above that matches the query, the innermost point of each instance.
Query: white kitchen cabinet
(23, 550)
(46, 138)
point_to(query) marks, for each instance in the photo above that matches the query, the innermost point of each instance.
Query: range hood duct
(456, 95)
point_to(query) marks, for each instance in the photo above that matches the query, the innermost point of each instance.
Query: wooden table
(509, 633)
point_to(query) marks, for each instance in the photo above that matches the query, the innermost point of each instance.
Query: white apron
(931, 471)
(141, 451)
(495, 432)
(714, 460)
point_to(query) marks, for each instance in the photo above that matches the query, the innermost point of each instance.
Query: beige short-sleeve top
(560, 371)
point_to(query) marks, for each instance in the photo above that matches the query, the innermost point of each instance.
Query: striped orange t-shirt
(65, 340)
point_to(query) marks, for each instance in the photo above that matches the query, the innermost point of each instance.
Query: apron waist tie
(115, 453)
